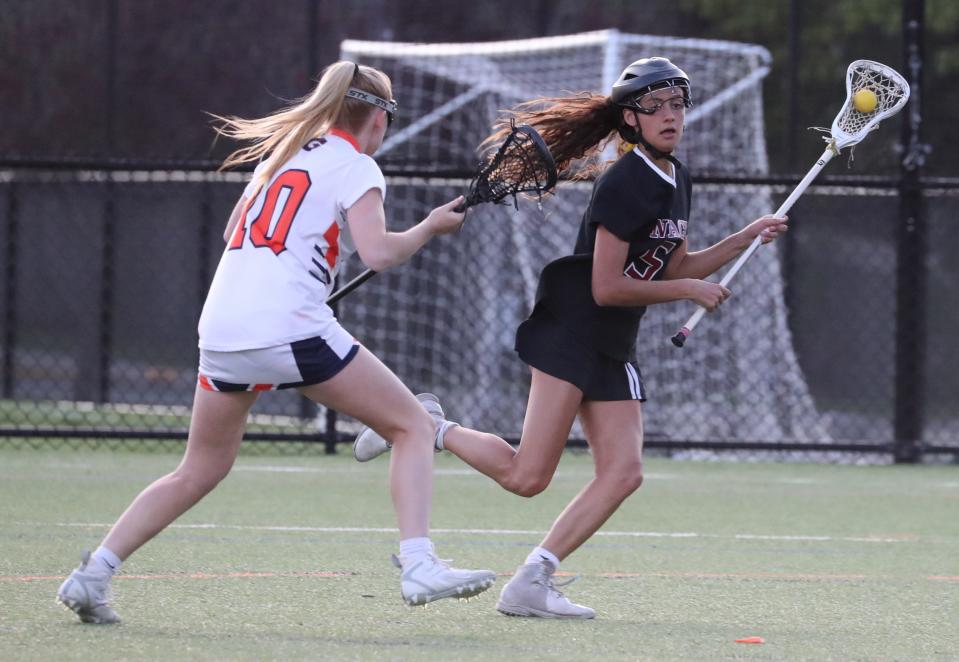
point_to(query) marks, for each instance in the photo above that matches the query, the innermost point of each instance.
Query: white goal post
(445, 321)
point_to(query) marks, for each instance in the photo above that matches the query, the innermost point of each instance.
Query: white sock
(412, 548)
(540, 554)
(441, 430)
(103, 560)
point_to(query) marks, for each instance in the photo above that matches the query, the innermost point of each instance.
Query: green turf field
(289, 559)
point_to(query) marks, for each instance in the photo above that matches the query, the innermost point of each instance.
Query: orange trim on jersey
(332, 237)
(262, 387)
(205, 383)
(347, 136)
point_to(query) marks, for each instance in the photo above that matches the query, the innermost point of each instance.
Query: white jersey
(278, 268)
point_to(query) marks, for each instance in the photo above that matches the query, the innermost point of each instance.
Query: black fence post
(105, 340)
(10, 294)
(331, 416)
(911, 252)
(107, 275)
(331, 434)
(204, 247)
(308, 408)
(792, 124)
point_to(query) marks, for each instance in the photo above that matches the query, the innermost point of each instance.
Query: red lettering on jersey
(296, 183)
(653, 261)
(332, 237)
(239, 232)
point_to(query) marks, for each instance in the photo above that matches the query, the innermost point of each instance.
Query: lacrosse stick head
(522, 164)
(892, 93)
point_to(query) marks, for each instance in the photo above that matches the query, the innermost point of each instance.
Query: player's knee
(200, 481)
(633, 479)
(528, 485)
(419, 427)
(626, 477)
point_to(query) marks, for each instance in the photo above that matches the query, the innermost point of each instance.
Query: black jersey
(637, 202)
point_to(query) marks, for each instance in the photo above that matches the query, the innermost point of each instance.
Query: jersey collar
(656, 168)
(347, 136)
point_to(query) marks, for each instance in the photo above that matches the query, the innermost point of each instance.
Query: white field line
(282, 469)
(500, 532)
(291, 469)
(466, 471)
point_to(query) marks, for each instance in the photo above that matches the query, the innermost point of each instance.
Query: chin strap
(635, 136)
(656, 154)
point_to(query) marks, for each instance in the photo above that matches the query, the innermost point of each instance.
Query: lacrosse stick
(522, 164)
(873, 93)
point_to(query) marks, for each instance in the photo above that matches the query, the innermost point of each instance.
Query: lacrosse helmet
(639, 78)
(646, 75)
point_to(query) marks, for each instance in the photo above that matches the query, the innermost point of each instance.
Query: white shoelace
(546, 579)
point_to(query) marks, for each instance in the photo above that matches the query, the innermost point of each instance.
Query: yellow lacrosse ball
(865, 100)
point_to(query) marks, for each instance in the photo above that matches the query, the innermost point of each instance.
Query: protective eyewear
(649, 106)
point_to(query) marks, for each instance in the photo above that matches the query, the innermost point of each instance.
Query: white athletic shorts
(299, 363)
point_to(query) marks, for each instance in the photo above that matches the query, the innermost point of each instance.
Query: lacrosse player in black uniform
(580, 339)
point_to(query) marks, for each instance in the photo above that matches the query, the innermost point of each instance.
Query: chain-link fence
(105, 272)
(836, 346)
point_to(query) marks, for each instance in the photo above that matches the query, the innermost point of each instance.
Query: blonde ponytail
(278, 136)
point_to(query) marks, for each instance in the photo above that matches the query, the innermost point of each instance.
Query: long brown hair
(575, 128)
(279, 135)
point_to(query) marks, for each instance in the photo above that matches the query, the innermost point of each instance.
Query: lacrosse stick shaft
(680, 338)
(349, 287)
(535, 162)
(369, 273)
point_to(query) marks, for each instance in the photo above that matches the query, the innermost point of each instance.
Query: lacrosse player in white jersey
(315, 197)
(580, 339)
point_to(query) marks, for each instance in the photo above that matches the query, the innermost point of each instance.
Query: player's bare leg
(216, 429)
(526, 470)
(614, 432)
(368, 391)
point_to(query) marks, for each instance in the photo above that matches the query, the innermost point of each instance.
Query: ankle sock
(415, 547)
(103, 560)
(540, 554)
(441, 430)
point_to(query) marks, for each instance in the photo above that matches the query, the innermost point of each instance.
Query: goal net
(445, 321)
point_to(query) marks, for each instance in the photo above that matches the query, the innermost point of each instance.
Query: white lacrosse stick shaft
(849, 128)
(680, 338)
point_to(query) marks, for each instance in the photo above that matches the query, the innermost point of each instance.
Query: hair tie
(356, 70)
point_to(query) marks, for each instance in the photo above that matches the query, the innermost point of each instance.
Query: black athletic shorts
(546, 345)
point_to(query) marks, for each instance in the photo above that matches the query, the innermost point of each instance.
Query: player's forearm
(701, 264)
(397, 247)
(630, 292)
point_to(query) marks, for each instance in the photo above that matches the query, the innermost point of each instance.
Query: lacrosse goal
(445, 321)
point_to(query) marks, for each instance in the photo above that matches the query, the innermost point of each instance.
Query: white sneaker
(429, 578)
(531, 592)
(369, 444)
(88, 594)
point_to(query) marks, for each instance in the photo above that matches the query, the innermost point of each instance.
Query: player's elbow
(378, 264)
(605, 293)
(377, 259)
